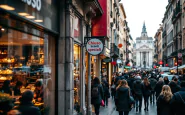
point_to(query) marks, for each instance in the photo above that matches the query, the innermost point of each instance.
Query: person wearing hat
(39, 91)
(26, 106)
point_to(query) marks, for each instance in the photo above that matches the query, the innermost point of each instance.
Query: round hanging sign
(120, 45)
(94, 46)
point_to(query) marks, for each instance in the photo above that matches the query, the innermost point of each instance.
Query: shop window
(77, 78)
(29, 59)
(76, 28)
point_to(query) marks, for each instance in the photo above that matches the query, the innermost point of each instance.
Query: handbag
(102, 103)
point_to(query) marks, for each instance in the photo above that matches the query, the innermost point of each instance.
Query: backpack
(95, 92)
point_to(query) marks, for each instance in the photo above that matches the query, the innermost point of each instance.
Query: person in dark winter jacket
(106, 91)
(146, 92)
(26, 106)
(137, 89)
(119, 77)
(130, 81)
(97, 94)
(158, 87)
(6, 87)
(122, 98)
(178, 101)
(153, 83)
(166, 80)
(174, 87)
(163, 101)
(17, 88)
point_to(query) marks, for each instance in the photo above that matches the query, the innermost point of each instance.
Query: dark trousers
(152, 97)
(125, 112)
(105, 100)
(97, 109)
(138, 103)
(146, 101)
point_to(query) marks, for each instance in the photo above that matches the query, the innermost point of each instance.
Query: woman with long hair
(163, 101)
(122, 98)
(146, 92)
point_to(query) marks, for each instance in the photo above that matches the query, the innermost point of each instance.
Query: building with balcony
(144, 50)
(167, 35)
(159, 44)
(177, 29)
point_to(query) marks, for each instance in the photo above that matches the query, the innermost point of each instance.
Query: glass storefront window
(76, 28)
(77, 78)
(29, 59)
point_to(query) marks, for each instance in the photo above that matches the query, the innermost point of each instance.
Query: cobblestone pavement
(110, 110)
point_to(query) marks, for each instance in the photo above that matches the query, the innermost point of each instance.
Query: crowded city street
(92, 57)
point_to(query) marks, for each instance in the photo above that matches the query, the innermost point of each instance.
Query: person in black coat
(6, 87)
(163, 101)
(130, 81)
(178, 101)
(17, 88)
(26, 106)
(153, 83)
(122, 98)
(96, 100)
(174, 86)
(106, 91)
(138, 92)
(166, 80)
(158, 87)
(146, 92)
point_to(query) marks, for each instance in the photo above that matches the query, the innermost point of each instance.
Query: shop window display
(28, 59)
(77, 78)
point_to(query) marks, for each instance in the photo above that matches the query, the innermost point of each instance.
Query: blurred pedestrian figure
(166, 80)
(26, 106)
(178, 101)
(146, 92)
(163, 101)
(113, 90)
(153, 83)
(174, 85)
(158, 87)
(106, 91)
(6, 87)
(137, 89)
(17, 88)
(122, 98)
(97, 94)
(130, 81)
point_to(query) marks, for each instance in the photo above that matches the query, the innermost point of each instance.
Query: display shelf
(6, 74)
(7, 62)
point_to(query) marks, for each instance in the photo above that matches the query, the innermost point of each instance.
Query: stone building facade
(144, 50)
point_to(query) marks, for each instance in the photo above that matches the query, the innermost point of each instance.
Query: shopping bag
(102, 103)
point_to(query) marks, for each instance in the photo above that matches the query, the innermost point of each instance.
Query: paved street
(110, 110)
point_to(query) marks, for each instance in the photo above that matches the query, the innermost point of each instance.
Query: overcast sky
(150, 11)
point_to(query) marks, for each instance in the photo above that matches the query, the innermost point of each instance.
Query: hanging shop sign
(94, 46)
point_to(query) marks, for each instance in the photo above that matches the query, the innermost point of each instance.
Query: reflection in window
(28, 59)
(77, 78)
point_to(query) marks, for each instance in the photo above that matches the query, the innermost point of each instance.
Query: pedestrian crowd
(128, 90)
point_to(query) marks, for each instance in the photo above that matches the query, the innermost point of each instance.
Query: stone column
(65, 62)
(82, 78)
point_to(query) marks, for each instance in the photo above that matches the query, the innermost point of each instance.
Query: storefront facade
(28, 36)
(45, 40)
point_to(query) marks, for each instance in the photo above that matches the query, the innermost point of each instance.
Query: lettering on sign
(34, 3)
(94, 46)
